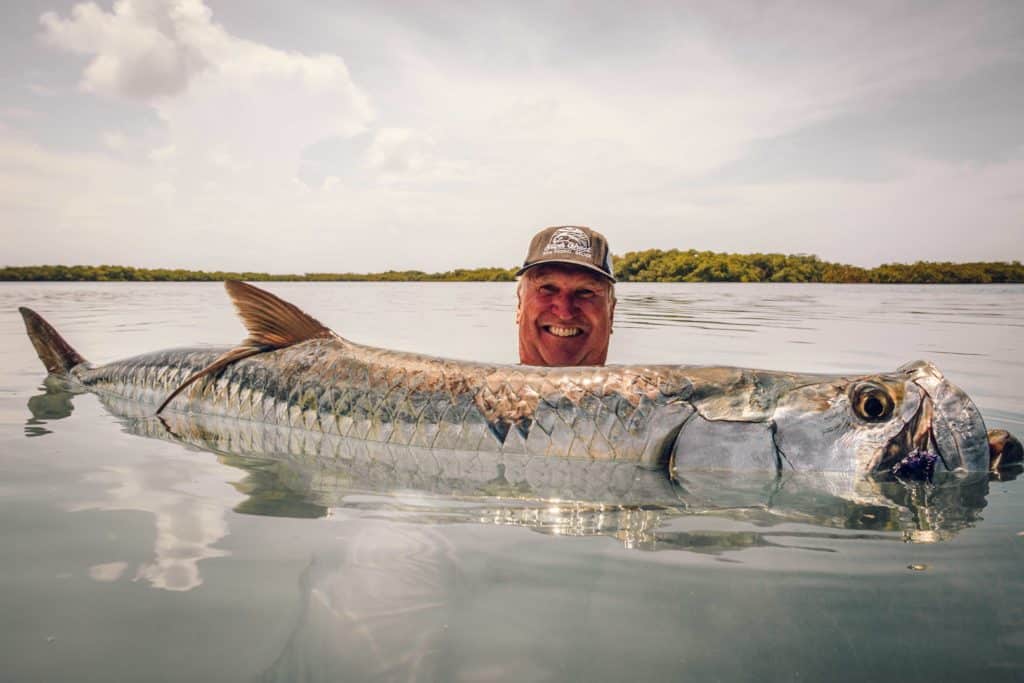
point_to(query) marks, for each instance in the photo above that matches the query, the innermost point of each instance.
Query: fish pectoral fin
(271, 321)
(222, 361)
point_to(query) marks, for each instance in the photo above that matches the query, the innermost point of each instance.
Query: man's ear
(519, 301)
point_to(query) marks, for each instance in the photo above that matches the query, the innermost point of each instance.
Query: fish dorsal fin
(273, 323)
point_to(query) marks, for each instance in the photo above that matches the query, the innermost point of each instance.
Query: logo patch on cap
(569, 240)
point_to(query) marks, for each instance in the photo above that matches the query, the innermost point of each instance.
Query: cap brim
(588, 266)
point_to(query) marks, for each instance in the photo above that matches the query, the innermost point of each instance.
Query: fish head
(879, 424)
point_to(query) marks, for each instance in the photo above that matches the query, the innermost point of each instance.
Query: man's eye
(585, 293)
(548, 289)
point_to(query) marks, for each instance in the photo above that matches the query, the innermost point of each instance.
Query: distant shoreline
(652, 265)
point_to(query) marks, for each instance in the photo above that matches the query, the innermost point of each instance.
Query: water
(132, 558)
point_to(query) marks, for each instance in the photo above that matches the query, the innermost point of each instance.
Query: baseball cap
(573, 244)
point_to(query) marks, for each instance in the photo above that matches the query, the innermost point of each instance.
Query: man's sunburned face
(565, 316)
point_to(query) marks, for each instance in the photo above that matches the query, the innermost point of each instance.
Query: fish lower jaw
(560, 331)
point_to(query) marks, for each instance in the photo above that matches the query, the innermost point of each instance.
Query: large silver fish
(302, 473)
(295, 372)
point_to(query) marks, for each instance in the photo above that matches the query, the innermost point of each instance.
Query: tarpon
(303, 473)
(294, 372)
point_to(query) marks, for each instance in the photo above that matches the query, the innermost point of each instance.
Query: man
(566, 298)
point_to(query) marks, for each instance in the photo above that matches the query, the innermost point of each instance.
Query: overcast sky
(316, 135)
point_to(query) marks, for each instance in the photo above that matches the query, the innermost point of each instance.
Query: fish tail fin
(56, 354)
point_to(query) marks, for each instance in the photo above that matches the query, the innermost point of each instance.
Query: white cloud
(143, 48)
(164, 190)
(17, 113)
(220, 157)
(209, 87)
(400, 151)
(161, 154)
(233, 117)
(41, 90)
(115, 140)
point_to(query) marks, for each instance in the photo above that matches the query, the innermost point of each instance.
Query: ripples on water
(140, 549)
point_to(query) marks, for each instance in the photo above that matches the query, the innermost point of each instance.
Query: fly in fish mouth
(913, 452)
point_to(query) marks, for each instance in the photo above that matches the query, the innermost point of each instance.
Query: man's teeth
(564, 331)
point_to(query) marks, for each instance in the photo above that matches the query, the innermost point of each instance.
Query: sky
(328, 136)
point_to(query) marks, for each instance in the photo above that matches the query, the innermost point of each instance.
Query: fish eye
(871, 402)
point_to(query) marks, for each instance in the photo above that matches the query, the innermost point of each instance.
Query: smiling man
(566, 298)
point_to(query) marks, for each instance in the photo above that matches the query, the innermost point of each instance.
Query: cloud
(17, 113)
(205, 84)
(165, 153)
(41, 90)
(400, 150)
(143, 48)
(164, 190)
(114, 140)
(232, 118)
(967, 119)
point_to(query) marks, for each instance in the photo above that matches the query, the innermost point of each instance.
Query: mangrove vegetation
(652, 265)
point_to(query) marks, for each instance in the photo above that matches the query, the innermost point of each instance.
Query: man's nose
(563, 305)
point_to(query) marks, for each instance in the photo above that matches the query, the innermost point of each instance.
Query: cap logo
(569, 240)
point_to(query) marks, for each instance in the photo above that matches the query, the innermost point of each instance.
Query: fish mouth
(912, 452)
(947, 433)
(563, 331)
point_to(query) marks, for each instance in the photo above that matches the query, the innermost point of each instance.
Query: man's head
(566, 298)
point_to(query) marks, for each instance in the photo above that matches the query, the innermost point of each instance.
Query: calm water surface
(134, 558)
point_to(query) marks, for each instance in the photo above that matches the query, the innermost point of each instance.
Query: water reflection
(923, 512)
(187, 524)
(376, 605)
(297, 473)
(53, 404)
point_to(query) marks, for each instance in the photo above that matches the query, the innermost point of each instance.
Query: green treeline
(652, 265)
(673, 265)
(129, 274)
(457, 275)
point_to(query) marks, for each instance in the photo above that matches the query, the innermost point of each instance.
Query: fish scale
(367, 395)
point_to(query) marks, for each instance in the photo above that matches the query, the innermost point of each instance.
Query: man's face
(564, 315)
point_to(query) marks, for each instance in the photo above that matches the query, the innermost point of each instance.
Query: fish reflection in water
(53, 404)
